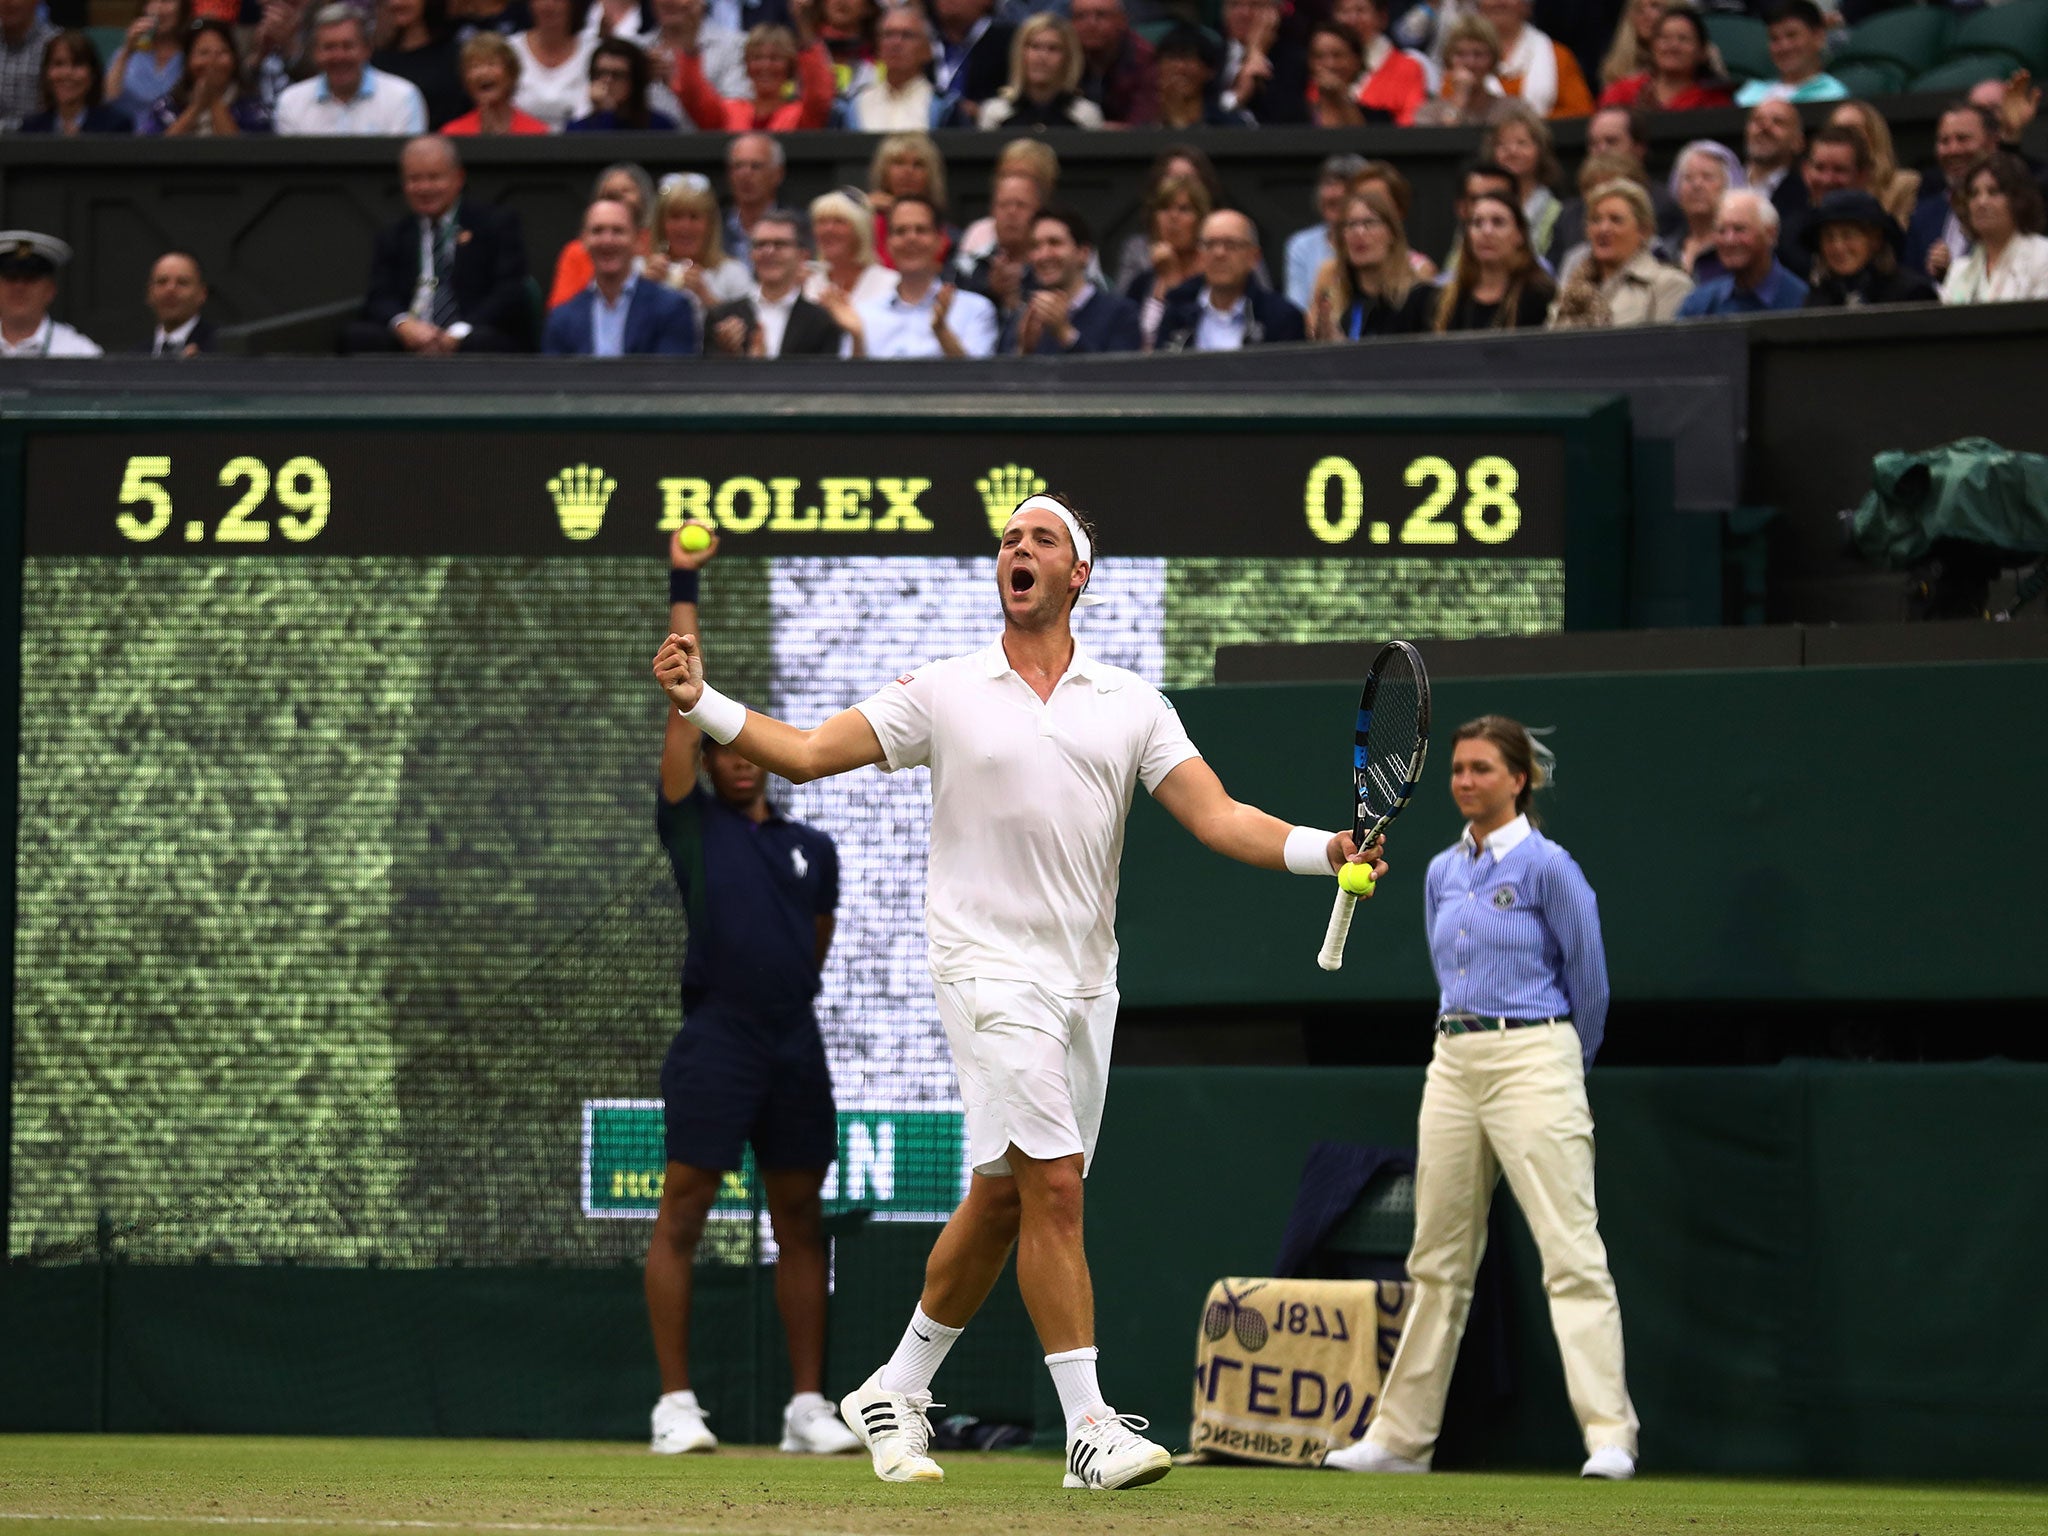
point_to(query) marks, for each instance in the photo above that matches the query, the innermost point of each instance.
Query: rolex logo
(581, 493)
(1003, 487)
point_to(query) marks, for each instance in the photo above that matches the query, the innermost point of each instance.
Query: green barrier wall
(1823, 1269)
(1820, 833)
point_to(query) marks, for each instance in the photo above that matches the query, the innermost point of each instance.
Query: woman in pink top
(773, 56)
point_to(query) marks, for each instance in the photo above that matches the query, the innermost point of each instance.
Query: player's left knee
(1057, 1196)
(799, 1222)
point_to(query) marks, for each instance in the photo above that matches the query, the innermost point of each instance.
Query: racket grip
(1340, 926)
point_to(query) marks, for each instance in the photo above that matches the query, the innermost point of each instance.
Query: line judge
(1514, 934)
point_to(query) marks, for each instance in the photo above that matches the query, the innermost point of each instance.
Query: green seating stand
(1959, 72)
(1915, 39)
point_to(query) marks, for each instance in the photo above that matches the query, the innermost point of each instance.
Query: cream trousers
(1514, 1102)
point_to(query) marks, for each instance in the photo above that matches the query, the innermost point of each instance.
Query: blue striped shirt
(1514, 932)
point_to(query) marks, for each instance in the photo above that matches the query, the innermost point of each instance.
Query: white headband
(1083, 549)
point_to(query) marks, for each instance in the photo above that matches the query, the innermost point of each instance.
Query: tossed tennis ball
(696, 537)
(1357, 879)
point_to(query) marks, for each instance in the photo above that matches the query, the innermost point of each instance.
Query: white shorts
(1033, 1068)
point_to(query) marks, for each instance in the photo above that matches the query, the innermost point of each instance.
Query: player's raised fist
(679, 668)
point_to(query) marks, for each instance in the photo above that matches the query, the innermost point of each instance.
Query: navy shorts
(732, 1077)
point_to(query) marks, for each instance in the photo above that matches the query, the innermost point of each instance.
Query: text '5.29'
(295, 501)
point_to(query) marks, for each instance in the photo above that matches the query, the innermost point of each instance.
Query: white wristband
(717, 716)
(1308, 852)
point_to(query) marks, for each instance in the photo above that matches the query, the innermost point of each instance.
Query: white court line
(353, 1523)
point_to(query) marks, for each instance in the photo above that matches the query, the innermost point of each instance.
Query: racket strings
(1390, 739)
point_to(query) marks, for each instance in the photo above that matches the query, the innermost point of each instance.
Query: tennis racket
(1386, 761)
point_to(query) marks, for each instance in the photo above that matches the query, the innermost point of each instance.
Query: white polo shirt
(383, 104)
(1029, 800)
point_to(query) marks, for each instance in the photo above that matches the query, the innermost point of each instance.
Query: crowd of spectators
(1800, 216)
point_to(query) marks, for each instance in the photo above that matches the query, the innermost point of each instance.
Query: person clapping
(1370, 288)
(1065, 311)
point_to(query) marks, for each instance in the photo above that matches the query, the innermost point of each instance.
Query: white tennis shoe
(894, 1428)
(1363, 1456)
(1110, 1453)
(811, 1427)
(1610, 1462)
(679, 1426)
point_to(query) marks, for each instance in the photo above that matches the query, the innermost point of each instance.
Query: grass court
(165, 1485)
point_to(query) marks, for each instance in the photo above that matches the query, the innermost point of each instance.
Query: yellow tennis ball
(1357, 879)
(696, 537)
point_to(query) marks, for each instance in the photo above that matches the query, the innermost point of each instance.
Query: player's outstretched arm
(841, 744)
(1196, 798)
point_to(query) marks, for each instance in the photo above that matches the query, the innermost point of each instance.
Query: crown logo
(1003, 487)
(581, 493)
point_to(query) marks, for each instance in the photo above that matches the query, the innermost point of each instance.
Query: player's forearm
(1247, 834)
(841, 744)
(777, 746)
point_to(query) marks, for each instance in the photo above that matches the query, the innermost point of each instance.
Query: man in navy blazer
(620, 314)
(1227, 307)
(451, 275)
(1066, 312)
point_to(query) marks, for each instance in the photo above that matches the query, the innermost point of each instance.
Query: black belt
(1470, 1023)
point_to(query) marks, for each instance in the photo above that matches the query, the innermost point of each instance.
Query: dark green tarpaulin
(1970, 489)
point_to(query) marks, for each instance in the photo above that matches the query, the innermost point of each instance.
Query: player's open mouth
(1021, 579)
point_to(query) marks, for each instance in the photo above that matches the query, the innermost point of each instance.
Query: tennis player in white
(1035, 750)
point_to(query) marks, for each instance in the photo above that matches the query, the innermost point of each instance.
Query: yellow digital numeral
(1316, 500)
(1422, 526)
(236, 528)
(1491, 512)
(138, 484)
(303, 486)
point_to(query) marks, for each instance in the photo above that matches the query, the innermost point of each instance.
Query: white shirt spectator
(2022, 274)
(723, 57)
(773, 315)
(1040, 789)
(1220, 330)
(558, 94)
(629, 30)
(874, 106)
(875, 284)
(727, 281)
(897, 328)
(52, 338)
(383, 104)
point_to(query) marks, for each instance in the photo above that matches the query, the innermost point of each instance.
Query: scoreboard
(340, 917)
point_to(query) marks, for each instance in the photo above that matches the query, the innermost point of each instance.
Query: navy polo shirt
(753, 892)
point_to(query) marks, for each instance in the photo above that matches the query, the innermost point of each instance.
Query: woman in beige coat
(1620, 281)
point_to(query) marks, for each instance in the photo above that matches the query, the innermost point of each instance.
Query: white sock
(683, 1399)
(807, 1400)
(919, 1355)
(1073, 1376)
